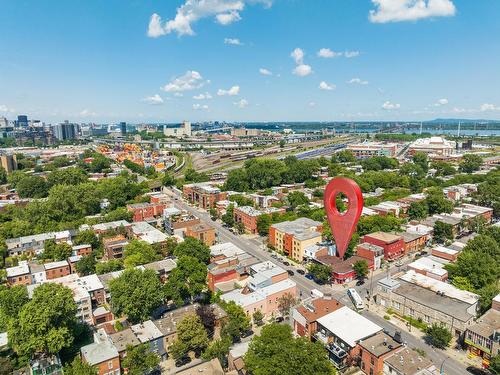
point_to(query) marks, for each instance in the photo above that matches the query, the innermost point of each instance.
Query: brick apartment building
(54, 270)
(393, 245)
(342, 270)
(114, 247)
(293, 237)
(203, 195)
(248, 216)
(174, 219)
(146, 211)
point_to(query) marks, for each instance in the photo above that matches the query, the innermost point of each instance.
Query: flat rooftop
(379, 344)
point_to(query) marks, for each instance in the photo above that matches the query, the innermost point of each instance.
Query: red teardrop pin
(343, 224)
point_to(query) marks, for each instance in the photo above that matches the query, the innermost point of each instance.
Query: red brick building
(305, 316)
(54, 270)
(248, 216)
(414, 242)
(373, 350)
(342, 270)
(146, 211)
(203, 195)
(393, 245)
(82, 250)
(19, 275)
(114, 247)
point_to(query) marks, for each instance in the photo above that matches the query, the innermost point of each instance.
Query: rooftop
(358, 328)
(124, 338)
(146, 331)
(428, 265)
(227, 249)
(52, 265)
(408, 361)
(100, 352)
(22, 269)
(488, 324)
(380, 344)
(385, 237)
(317, 308)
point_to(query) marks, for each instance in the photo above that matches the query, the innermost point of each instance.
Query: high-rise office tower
(123, 128)
(22, 121)
(65, 131)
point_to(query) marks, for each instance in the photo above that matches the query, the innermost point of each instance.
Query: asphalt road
(255, 248)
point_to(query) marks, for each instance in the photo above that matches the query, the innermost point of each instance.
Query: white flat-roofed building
(146, 232)
(369, 149)
(429, 267)
(432, 145)
(226, 249)
(34, 244)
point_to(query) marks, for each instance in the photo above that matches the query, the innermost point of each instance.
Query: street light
(441, 370)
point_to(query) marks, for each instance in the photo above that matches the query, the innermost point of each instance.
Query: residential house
(373, 253)
(82, 250)
(33, 245)
(148, 333)
(429, 267)
(373, 351)
(343, 269)
(175, 219)
(305, 316)
(248, 216)
(203, 195)
(114, 247)
(19, 275)
(406, 361)
(146, 211)
(102, 354)
(483, 337)
(54, 270)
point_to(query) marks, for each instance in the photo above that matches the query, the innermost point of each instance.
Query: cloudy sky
(249, 60)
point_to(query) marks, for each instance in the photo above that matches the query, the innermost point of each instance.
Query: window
(371, 371)
(396, 305)
(372, 361)
(110, 365)
(427, 318)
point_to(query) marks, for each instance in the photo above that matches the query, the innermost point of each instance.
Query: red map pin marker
(343, 224)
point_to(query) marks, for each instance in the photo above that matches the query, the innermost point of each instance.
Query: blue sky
(106, 61)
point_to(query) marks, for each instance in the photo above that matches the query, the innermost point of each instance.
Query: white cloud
(265, 72)
(302, 70)
(178, 94)
(202, 96)
(489, 107)
(325, 86)
(327, 53)
(243, 103)
(4, 108)
(357, 81)
(389, 106)
(87, 113)
(225, 12)
(410, 10)
(350, 54)
(197, 106)
(235, 90)
(190, 80)
(298, 56)
(228, 18)
(312, 104)
(233, 41)
(154, 100)
(441, 102)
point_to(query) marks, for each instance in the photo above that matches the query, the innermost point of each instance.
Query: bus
(356, 299)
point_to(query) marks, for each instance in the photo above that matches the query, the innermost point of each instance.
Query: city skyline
(249, 60)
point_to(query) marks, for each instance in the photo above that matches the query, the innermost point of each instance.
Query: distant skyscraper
(123, 128)
(22, 121)
(8, 162)
(65, 131)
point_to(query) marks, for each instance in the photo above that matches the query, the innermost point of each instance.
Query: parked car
(274, 256)
(279, 319)
(290, 272)
(286, 263)
(360, 282)
(301, 272)
(309, 276)
(247, 333)
(182, 361)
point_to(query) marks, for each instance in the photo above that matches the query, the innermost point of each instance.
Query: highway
(255, 247)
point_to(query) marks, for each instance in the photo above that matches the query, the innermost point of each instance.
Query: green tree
(420, 158)
(78, 367)
(443, 168)
(140, 360)
(277, 352)
(361, 268)
(109, 266)
(240, 227)
(187, 280)
(436, 202)
(343, 156)
(258, 317)
(470, 163)
(193, 248)
(87, 237)
(191, 335)
(495, 365)
(237, 180)
(297, 198)
(139, 252)
(228, 217)
(68, 176)
(462, 282)
(218, 349)
(168, 179)
(56, 251)
(238, 321)
(45, 324)
(32, 187)
(285, 303)
(136, 293)
(3, 176)
(321, 272)
(418, 210)
(442, 232)
(86, 265)
(11, 301)
(439, 336)
(241, 200)
(412, 170)
(376, 223)
(487, 293)
(120, 213)
(264, 173)
(263, 224)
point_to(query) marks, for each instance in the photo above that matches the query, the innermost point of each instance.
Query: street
(254, 247)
